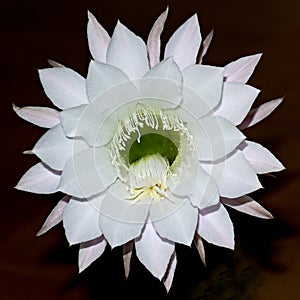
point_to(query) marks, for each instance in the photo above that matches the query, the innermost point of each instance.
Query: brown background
(266, 263)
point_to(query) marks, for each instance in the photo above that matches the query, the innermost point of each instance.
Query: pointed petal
(184, 44)
(199, 245)
(54, 64)
(127, 253)
(173, 222)
(241, 69)
(90, 251)
(258, 114)
(153, 42)
(205, 45)
(202, 88)
(168, 277)
(64, 87)
(55, 216)
(80, 219)
(234, 176)
(247, 205)
(260, 158)
(216, 227)
(88, 173)
(98, 39)
(39, 179)
(128, 52)
(102, 77)
(121, 220)
(41, 116)
(236, 101)
(153, 252)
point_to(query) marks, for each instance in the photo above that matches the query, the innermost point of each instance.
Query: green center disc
(153, 143)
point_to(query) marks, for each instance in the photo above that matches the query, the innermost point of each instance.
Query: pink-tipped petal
(153, 42)
(90, 251)
(127, 253)
(247, 205)
(39, 179)
(153, 251)
(184, 44)
(55, 216)
(260, 158)
(199, 245)
(216, 227)
(98, 39)
(128, 52)
(168, 278)
(41, 116)
(258, 114)
(241, 69)
(205, 45)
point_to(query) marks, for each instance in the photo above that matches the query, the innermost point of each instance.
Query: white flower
(148, 151)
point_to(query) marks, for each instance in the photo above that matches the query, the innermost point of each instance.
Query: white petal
(199, 245)
(127, 52)
(153, 42)
(153, 252)
(121, 220)
(64, 87)
(41, 116)
(39, 179)
(173, 222)
(184, 43)
(88, 173)
(55, 216)
(98, 39)
(241, 69)
(202, 88)
(260, 158)
(168, 278)
(80, 219)
(102, 77)
(216, 227)
(248, 206)
(234, 176)
(236, 101)
(54, 148)
(90, 251)
(258, 114)
(214, 137)
(127, 253)
(205, 45)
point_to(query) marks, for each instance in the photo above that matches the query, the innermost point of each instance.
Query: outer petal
(98, 39)
(205, 45)
(127, 253)
(248, 206)
(121, 220)
(153, 42)
(234, 176)
(80, 219)
(199, 245)
(236, 102)
(39, 179)
(88, 173)
(241, 69)
(153, 252)
(258, 114)
(216, 227)
(54, 149)
(168, 278)
(184, 43)
(127, 52)
(202, 88)
(64, 87)
(41, 116)
(260, 158)
(173, 222)
(55, 216)
(90, 251)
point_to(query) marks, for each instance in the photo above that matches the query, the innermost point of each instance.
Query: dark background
(266, 263)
